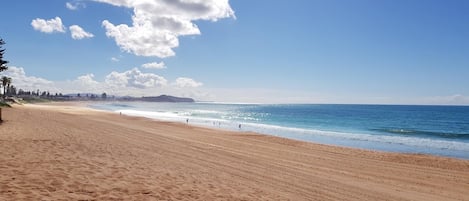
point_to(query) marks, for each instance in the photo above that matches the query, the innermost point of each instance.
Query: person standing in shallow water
(239, 126)
(187, 121)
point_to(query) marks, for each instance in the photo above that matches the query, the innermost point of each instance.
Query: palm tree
(8, 86)
(6, 81)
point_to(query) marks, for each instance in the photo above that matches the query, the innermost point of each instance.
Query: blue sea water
(437, 130)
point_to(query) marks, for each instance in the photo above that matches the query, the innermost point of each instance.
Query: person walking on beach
(239, 126)
(187, 121)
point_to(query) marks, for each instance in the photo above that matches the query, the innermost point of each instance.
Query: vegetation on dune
(5, 81)
(4, 104)
(3, 63)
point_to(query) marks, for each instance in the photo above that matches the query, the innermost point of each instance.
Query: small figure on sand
(187, 121)
(239, 126)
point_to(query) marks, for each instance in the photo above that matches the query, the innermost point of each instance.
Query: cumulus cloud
(131, 82)
(55, 25)
(25, 82)
(156, 25)
(84, 83)
(87, 79)
(48, 26)
(134, 82)
(154, 65)
(184, 82)
(78, 33)
(136, 79)
(115, 59)
(74, 5)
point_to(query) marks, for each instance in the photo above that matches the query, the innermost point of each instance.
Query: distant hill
(166, 98)
(162, 98)
(102, 97)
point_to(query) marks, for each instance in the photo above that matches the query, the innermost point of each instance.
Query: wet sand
(68, 152)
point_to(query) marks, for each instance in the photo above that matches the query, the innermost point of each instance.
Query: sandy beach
(68, 152)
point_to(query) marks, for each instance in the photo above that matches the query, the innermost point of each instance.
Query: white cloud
(456, 99)
(132, 82)
(78, 33)
(48, 26)
(156, 25)
(74, 5)
(22, 81)
(115, 59)
(184, 82)
(71, 6)
(135, 83)
(83, 83)
(154, 65)
(87, 79)
(136, 79)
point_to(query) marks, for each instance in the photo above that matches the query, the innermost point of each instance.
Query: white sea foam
(229, 117)
(388, 139)
(363, 140)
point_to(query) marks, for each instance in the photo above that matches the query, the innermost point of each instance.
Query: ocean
(436, 130)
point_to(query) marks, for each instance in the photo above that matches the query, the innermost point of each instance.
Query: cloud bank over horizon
(132, 82)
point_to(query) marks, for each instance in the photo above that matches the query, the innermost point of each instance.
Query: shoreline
(73, 152)
(350, 139)
(84, 105)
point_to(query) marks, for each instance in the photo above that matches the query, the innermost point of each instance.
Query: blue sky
(300, 51)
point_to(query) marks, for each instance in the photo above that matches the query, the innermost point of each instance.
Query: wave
(413, 132)
(440, 144)
(120, 105)
(406, 137)
(206, 111)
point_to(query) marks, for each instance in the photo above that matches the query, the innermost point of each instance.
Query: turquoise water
(437, 130)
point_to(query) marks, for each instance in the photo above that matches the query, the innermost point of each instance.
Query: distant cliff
(166, 98)
(162, 98)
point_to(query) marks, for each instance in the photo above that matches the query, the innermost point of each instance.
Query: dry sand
(64, 152)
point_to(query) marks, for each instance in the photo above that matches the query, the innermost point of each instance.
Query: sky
(261, 51)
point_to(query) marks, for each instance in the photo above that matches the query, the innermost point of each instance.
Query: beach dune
(67, 152)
